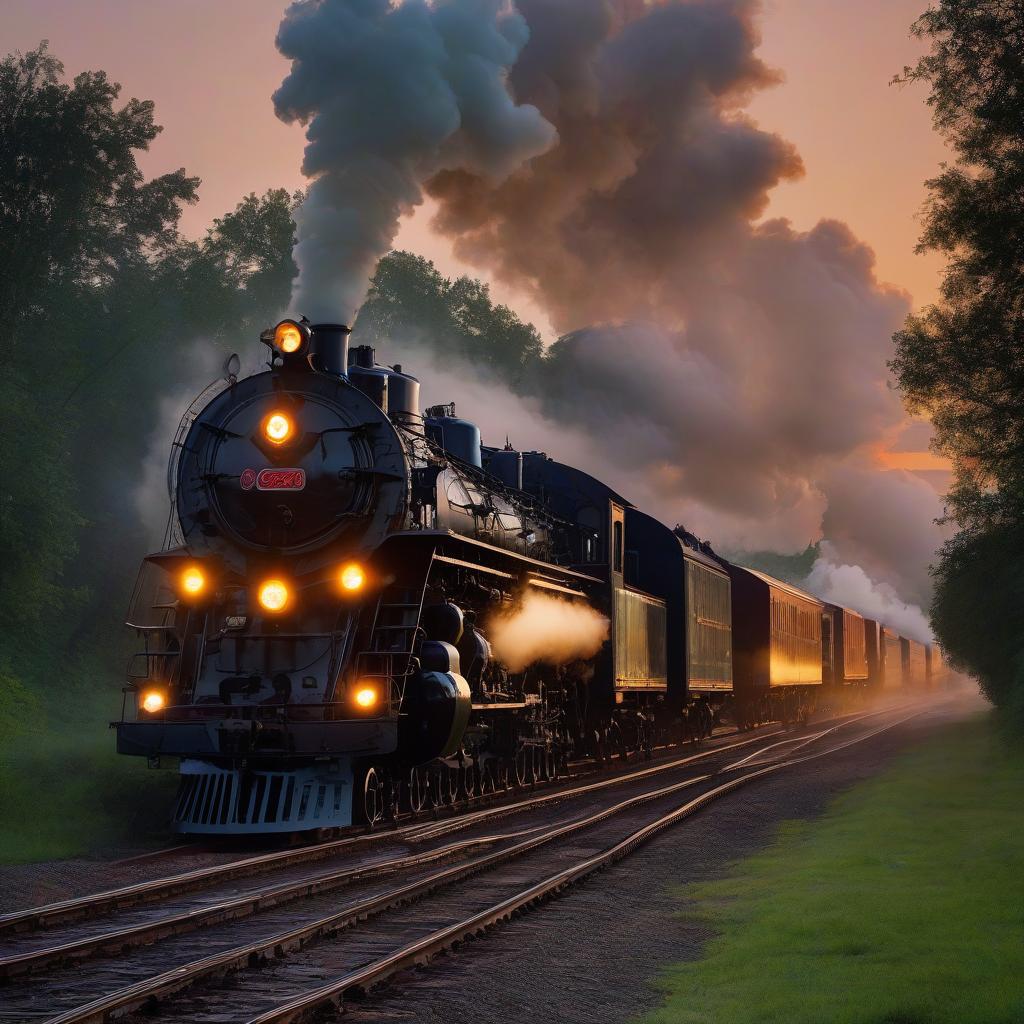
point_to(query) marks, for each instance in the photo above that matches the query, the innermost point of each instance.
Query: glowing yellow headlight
(277, 428)
(193, 581)
(366, 696)
(352, 577)
(153, 701)
(288, 337)
(274, 596)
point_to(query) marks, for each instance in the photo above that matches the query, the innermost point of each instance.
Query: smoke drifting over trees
(733, 369)
(737, 374)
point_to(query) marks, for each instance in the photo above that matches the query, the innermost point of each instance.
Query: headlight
(352, 577)
(290, 337)
(193, 581)
(274, 595)
(366, 697)
(277, 428)
(153, 701)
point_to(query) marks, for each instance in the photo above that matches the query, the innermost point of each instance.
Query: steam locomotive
(314, 629)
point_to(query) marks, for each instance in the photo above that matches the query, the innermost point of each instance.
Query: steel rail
(134, 996)
(433, 830)
(146, 932)
(299, 1009)
(190, 881)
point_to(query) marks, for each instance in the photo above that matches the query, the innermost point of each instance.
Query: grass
(65, 792)
(904, 904)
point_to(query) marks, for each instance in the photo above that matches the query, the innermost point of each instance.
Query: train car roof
(689, 548)
(786, 588)
(842, 608)
(566, 478)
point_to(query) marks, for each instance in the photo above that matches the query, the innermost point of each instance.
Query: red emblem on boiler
(248, 479)
(281, 480)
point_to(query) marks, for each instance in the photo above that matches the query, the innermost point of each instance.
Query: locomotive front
(283, 487)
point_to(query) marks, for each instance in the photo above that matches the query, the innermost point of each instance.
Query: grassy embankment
(903, 905)
(63, 789)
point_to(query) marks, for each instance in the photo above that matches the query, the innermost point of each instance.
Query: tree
(76, 214)
(411, 303)
(74, 207)
(961, 361)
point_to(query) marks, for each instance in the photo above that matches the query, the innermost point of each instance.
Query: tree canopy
(961, 361)
(101, 299)
(411, 302)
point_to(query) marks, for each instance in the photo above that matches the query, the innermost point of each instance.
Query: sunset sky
(867, 146)
(211, 67)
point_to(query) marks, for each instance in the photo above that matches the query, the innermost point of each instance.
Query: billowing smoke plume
(656, 175)
(390, 95)
(886, 523)
(719, 370)
(849, 585)
(542, 628)
(737, 364)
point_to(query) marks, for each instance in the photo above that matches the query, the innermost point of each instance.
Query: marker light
(153, 701)
(352, 577)
(193, 581)
(274, 596)
(277, 428)
(366, 696)
(289, 337)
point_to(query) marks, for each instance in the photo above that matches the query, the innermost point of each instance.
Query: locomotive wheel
(419, 789)
(488, 782)
(451, 785)
(502, 774)
(524, 765)
(442, 787)
(373, 797)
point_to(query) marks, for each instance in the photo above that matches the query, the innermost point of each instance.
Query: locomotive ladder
(393, 635)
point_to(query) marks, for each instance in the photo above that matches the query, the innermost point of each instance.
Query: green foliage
(790, 568)
(75, 215)
(900, 906)
(411, 303)
(106, 310)
(978, 608)
(961, 362)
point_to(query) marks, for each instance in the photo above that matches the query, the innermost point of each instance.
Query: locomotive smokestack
(330, 346)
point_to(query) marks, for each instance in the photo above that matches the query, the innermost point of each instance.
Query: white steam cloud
(542, 628)
(850, 586)
(391, 94)
(150, 498)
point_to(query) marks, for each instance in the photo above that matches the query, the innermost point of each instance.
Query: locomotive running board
(535, 565)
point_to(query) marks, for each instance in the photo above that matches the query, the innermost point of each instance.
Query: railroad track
(161, 889)
(388, 914)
